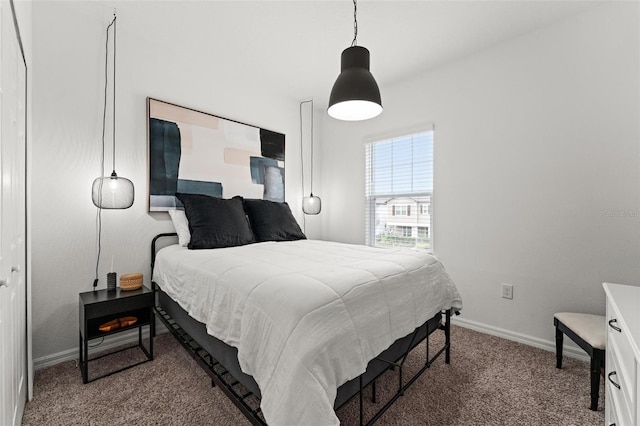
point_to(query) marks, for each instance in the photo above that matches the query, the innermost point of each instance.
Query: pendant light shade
(311, 204)
(112, 192)
(355, 95)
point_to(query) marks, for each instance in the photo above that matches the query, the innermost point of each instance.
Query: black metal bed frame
(249, 404)
(243, 398)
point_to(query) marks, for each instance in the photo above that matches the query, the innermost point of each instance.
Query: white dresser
(622, 377)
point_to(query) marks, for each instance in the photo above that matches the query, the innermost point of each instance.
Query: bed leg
(361, 404)
(426, 345)
(373, 392)
(155, 304)
(447, 336)
(213, 383)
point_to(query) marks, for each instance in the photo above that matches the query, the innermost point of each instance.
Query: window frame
(370, 200)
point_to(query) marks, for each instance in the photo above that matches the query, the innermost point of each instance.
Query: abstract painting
(199, 153)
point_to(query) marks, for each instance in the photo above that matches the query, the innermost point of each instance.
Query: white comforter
(306, 316)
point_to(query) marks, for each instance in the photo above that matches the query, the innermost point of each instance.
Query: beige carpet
(490, 381)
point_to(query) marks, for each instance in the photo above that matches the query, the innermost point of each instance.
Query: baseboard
(120, 339)
(132, 336)
(569, 350)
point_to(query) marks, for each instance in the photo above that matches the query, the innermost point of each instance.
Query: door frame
(27, 257)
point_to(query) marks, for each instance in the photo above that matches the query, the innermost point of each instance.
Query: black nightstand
(99, 307)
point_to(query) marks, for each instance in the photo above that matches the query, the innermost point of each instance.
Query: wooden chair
(588, 332)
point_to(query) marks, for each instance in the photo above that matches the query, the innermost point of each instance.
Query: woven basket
(131, 281)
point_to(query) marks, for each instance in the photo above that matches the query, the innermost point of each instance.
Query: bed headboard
(155, 248)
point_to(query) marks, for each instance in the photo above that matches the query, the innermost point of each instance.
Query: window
(398, 191)
(401, 210)
(404, 231)
(423, 232)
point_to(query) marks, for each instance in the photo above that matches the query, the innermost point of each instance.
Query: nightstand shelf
(99, 307)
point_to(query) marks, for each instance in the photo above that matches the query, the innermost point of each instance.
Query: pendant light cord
(301, 144)
(355, 24)
(311, 156)
(115, 39)
(304, 219)
(104, 121)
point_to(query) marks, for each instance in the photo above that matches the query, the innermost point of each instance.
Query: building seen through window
(402, 222)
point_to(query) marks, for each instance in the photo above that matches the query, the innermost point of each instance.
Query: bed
(303, 325)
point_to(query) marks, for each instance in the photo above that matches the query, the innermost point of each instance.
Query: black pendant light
(112, 192)
(355, 95)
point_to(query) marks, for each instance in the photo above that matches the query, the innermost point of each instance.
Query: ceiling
(293, 47)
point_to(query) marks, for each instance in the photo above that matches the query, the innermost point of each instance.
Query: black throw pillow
(272, 221)
(216, 222)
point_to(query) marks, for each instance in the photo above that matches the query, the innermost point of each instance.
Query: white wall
(536, 140)
(68, 58)
(536, 145)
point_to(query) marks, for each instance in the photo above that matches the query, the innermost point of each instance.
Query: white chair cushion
(591, 328)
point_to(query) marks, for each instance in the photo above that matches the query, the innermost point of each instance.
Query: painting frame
(196, 152)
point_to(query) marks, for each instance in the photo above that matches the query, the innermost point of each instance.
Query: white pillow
(181, 224)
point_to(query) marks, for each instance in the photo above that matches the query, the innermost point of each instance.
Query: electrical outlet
(507, 291)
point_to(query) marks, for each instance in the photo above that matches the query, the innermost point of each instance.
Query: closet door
(13, 323)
